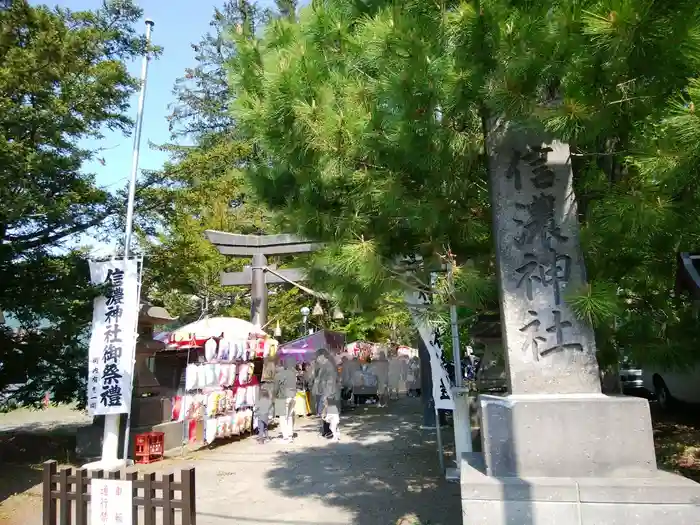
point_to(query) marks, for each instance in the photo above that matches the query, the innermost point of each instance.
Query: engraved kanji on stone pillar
(538, 253)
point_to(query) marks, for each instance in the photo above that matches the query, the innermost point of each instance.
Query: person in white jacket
(380, 368)
(285, 388)
(395, 376)
(350, 367)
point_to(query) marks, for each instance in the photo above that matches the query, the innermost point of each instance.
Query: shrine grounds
(384, 470)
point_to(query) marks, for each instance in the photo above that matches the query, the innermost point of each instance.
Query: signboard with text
(111, 502)
(113, 337)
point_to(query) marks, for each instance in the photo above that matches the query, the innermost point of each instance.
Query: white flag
(113, 337)
(430, 335)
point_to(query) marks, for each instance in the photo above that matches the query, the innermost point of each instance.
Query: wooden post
(49, 503)
(65, 508)
(81, 501)
(95, 474)
(133, 477)
(168, 499)
(189, 498)
(149, 494)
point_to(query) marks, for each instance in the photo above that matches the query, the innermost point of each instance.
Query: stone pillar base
(659, 499)
(571, 459)
(574, 435)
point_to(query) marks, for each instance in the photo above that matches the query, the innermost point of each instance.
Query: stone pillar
(555, 450)
(538, 255)
(548, 352)
(258, 291)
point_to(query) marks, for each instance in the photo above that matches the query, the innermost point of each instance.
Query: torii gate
(258, 275)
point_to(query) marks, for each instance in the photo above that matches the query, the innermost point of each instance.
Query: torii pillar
(259, 247)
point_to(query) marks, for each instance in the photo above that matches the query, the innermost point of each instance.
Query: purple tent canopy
(333, 341)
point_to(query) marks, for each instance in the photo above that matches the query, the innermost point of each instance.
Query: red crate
(148, 447)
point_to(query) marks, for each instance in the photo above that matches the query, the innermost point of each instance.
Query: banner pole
(441, 452)
(110, 438)
(127, 429)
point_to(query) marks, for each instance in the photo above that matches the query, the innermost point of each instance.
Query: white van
(670, 386)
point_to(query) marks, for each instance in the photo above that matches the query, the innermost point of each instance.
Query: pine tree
(287, 8)
(367, 120)
(384, 178)
(203, 187)
(202, 95)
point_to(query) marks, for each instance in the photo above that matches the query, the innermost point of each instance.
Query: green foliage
(347, 157)
(63, 79)
(203, 187)
(597, 304)
(367, 126)
(202, 95)
(344, 153)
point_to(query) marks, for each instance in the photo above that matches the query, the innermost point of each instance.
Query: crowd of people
(390, 375)
(330, 387)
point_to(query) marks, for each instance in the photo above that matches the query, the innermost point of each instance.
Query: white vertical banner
(113, 337)
(417, 303)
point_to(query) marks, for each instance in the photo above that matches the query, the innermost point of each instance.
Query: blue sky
(178, 23)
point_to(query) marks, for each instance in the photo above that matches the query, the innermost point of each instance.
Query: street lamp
(318, 310)
(278, 330)
(305, 318)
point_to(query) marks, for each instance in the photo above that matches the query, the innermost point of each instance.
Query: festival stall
(229, 360)
(304, 349)
(407, 351)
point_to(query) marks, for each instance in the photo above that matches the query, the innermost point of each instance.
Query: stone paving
(383, 469)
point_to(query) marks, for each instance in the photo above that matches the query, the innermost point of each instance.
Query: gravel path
(383, 469)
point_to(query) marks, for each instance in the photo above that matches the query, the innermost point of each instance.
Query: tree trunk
(610, 380)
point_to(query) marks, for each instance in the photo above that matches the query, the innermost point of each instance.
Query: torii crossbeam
(259, 247)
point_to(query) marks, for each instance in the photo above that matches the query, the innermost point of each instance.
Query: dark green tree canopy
(367, 121)
(63, 79)
(204, 187)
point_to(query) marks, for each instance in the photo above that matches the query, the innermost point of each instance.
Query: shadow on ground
(384, 470)
(23, 451)
(677, 439)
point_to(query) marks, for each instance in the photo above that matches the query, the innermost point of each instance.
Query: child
(263, 409)
(331, 415)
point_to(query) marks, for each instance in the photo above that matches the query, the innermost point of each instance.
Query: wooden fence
(66, 495)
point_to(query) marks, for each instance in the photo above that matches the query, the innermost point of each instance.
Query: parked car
(632, 381)
(491, 376)
(671, 386)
